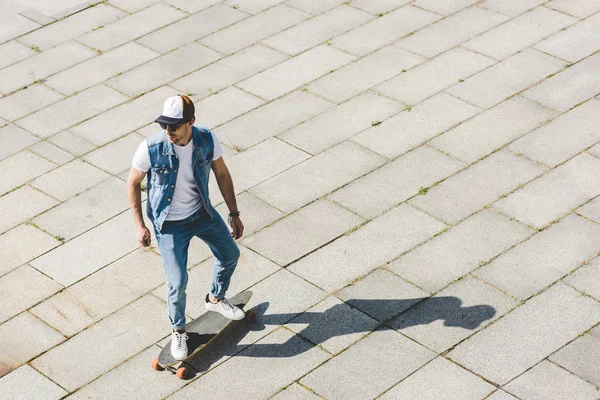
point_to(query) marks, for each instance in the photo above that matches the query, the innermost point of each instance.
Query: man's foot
(179, 349)
(225, 308)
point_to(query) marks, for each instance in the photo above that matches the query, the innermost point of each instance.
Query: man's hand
(143, 236)
(237, 227)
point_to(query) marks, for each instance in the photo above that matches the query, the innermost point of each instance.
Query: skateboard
(200, 332)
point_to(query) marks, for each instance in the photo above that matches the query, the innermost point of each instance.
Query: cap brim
(168, 120)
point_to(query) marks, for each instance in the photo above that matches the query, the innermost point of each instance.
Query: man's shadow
(337, 321)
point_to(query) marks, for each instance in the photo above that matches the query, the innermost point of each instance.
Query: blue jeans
(174, 241)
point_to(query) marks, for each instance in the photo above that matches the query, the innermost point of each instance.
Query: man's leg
(216, 235)
(173, 242)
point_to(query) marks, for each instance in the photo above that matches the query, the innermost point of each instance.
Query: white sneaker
(179, 348)
(225, 308)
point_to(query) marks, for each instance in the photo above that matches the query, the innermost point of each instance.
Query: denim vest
(164, 165)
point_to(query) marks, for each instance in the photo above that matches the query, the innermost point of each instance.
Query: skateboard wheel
(156, 365)
(250, 317)
(181, 372)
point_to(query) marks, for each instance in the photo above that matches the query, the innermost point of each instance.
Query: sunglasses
(172, 128)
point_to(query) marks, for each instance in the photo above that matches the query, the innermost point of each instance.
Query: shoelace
(227, 304)
(180, 337)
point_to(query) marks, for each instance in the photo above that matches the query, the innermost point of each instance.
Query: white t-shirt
(186, 199)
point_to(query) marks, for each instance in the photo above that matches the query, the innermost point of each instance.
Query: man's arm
(226, 187)
(134, 194)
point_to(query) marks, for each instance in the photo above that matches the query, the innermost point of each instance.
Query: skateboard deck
(200, 332)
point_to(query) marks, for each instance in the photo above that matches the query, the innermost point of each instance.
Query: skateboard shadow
(354, 316)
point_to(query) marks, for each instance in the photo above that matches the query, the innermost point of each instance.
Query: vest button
(172, 186)
(175, 171)
(168, 199)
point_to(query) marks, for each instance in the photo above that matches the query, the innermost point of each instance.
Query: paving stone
(335, 167)
(132, 380)
(332, 324)
(15, 26)
(72, 27)
(86, 302)
(27, 101)
(259, 215)
(254, 29)
(12, 52)
(26, 382)
(293, 73)
(378, 7)
(441, 379)
(413, 127)
(585, 33)
(384, 242)
(318, 29)
(497, 354)
(72, 110)
(350, 375)
(224, 106)
(520, 33)
(341, 122)
(591, 210)
(282, 243)
(382, 295)
(192, 6)
(132, 6)
(273, 118)
(251, 269)
(191, 28)
(501, 395)
(277, 371)
(228, 71)
(489, 131)
(126, 118)
(477, 186)
(72, 143)
(314, 6)
(569, 87)
(99, 69)
(508, 77)
(384, 30)
(449, 32)
(51, 152)
(545, 258)
(578, 8)
(554, 194)
(116, 156)
(24, 328)
(163, 69)
(73, 261)
(253, 6)
(295, 392)
(42, 65)
(395, 182)
(14, 139)
(541, 144)
(434, 75)
(581, 357)
(549, 381)
(16, 174)
(23, 288)
(457, 312)
(31, 203)
(91, 208)
(511, 7)
(365, 73)
(460, 250)
(21, 244)
(131, 27)
(444, 7)
(137, 326)
(251, 167)
(59, 182)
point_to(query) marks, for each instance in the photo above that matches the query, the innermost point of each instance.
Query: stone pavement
(420, 181)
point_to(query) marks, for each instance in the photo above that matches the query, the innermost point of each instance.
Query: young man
(178, 160)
